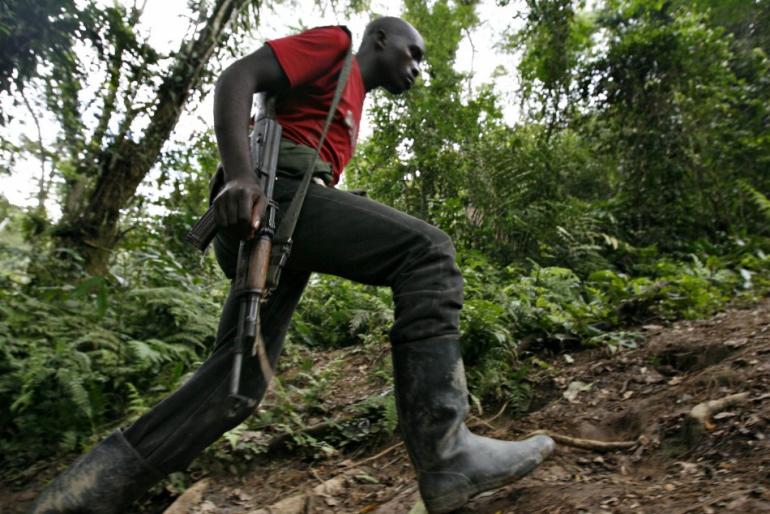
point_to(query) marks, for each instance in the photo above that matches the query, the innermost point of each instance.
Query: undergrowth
(80, 358)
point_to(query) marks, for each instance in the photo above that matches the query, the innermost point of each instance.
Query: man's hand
(239, 207)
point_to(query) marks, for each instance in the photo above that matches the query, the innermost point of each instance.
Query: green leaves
(74, 358)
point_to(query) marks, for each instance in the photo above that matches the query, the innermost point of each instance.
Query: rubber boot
(452, 464)
(106, 480)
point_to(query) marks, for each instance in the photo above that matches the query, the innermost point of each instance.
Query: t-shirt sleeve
(306, 56)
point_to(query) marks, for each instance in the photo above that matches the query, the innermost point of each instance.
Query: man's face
(401, 59)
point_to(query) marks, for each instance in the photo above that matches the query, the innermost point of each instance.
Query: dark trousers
(338, 233)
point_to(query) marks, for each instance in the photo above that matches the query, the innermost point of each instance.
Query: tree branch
(43, 191)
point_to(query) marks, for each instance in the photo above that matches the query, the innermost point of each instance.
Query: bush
(76, 358)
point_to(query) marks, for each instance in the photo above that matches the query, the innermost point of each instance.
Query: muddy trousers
(339, 234)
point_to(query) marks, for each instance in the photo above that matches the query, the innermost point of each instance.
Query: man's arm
(239, 206)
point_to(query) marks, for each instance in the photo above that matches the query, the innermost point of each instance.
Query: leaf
(574, 389)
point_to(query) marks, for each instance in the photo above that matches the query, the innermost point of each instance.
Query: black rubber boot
(452, 464)
(106, 480)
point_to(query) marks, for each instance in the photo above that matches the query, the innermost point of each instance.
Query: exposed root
(699, 419)
(703, 412)
(586, 444)
(189, 499)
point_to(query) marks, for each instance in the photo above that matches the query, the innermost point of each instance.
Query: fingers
(238, 209)
(257, 210)
(232, 209)
(244, 208)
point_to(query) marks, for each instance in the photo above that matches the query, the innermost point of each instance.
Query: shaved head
(389, 25)
(390, 54)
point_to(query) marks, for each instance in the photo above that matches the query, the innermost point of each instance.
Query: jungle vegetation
(633, 189)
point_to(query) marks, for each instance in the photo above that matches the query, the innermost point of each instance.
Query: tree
(414, 160)
(34, 31)
(105, 165)
(554, 38)
(670, 105)
(109, 139)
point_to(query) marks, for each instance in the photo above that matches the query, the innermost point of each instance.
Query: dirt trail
(641, 395)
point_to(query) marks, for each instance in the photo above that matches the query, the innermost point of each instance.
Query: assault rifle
(255, 276)
(253, 255)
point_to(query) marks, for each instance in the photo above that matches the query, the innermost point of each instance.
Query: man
(338, 233)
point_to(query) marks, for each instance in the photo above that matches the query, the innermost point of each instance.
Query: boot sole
(449, 502)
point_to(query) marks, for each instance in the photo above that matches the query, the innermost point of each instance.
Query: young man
(338, 233)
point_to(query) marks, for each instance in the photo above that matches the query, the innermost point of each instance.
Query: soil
(642, 395)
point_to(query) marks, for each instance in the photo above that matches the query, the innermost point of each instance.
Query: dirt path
(641, 395)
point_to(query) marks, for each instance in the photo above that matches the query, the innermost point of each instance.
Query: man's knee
(429, 264)
(428, 293)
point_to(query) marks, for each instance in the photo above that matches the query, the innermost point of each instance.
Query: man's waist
(294, 160)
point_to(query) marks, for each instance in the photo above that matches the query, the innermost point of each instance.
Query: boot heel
(104, 481)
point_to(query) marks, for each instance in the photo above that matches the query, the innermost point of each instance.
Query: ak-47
(253, 254)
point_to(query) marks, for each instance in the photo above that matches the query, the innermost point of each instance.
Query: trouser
(338, 233)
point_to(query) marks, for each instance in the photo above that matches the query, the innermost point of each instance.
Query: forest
(629, 201)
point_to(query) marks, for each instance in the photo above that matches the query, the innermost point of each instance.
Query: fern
(72, 383)
(760, 200)
(136, 402)
(80, 356)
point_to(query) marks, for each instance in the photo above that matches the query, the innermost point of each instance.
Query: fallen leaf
(574, 389)
(735, 343)
(363, 477)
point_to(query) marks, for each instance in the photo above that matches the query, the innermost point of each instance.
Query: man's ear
(380, 39)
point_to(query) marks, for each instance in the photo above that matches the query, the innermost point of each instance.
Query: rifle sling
(283, 236)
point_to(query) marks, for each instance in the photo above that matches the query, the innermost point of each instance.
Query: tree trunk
(92, 229)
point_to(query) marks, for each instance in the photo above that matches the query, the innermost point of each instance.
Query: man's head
(390, 54)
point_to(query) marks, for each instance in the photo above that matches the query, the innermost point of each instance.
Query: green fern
(760, 200)
(72, 382)
(137, 405)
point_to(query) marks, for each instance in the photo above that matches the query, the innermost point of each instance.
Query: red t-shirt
(312, 62)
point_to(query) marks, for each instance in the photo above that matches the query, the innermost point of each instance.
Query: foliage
(554, 39)
(672, 105)
(554, 306)
(35, 31)
(115, 101)
(335, 312)
(634, 190)
(75, 356)
(760, 201)
(420, 174)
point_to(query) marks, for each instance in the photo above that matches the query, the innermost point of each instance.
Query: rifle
(258, 272)
(253, 255)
